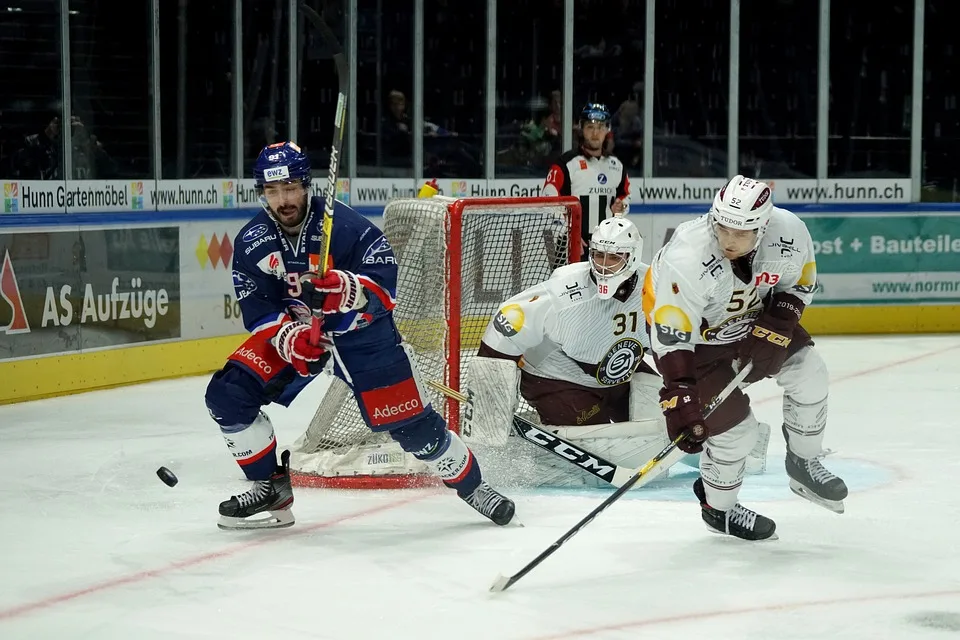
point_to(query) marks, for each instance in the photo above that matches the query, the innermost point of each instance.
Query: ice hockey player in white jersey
(730, 287)
(580, 336)
(576, 342)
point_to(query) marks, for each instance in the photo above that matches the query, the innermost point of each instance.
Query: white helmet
(614, 236)
(743, 203)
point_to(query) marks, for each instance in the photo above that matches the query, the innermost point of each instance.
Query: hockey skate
(738, 522)
(810, 480)
(490, 503)
(272, 497)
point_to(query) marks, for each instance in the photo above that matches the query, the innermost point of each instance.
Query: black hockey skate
(273, 497)
(739, 521)
(490, 503)
(810, 480)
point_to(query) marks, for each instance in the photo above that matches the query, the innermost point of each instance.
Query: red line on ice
(141, 576)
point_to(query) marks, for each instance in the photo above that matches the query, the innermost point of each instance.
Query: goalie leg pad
(492, 388)
(723, 463)
(645, 396)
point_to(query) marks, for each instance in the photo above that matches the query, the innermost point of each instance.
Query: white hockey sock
(253, 446)
(804, 425)
(723, 463)
(453, 462)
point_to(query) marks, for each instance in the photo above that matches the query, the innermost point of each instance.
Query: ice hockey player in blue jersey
(278, 286)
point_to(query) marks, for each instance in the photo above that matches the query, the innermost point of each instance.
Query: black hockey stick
(338, 125)
(502, 583)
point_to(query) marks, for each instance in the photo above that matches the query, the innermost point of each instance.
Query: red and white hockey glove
(681, 407)
(294, 346)
(339, 292)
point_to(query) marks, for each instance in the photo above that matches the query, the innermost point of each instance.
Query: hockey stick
(502, 583)
(338, 125)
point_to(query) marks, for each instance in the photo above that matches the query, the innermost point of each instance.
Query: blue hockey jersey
(267, 265)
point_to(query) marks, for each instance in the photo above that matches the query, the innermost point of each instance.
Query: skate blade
(724, 534)
(278, 519)
(835, 506)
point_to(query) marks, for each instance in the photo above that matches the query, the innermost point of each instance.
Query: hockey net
(458, 260)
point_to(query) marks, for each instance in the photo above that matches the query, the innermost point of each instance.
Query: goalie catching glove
(766, 344)
(294, 346)
(334, 292)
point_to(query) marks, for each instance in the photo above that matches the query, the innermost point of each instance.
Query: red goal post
(458, 259)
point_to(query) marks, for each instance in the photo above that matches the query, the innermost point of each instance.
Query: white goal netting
(458, 260)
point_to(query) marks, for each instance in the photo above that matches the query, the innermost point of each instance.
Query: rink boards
(94, 300)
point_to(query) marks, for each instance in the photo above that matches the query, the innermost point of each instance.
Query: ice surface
(93, 545)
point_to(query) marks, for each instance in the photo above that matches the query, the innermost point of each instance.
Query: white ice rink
(92, 545)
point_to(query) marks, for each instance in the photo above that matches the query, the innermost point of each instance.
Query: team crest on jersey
(298, 309)
(732, 329)
(620, 362)
(272, 264)
(379, 253)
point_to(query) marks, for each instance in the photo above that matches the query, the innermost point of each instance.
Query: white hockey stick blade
(500, 584)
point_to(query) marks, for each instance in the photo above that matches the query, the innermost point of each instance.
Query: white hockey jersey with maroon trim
(692, 294)
(598, 182)
(560, 329)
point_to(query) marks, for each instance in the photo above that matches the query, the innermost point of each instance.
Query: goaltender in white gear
(574, 345)
(730, 287)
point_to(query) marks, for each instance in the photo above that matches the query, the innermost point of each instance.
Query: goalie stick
(338, 124)
(502, 583)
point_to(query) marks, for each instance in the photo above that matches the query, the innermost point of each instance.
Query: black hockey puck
(167, 476)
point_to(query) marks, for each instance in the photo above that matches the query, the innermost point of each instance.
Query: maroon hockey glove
(766, 344)
(293, 345)
(680, 404)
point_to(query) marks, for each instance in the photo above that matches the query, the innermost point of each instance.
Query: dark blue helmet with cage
(595, 112)
(281, 162)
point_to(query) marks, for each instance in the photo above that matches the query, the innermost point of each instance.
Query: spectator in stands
(39, 157)
(628, 132)
(396, 130)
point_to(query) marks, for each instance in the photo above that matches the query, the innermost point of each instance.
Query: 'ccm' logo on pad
(392, 404)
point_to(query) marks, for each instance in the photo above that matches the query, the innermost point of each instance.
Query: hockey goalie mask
(740, 213)
(615, 249)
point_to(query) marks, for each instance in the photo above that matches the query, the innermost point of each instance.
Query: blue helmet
(595, 112)
(281, 162)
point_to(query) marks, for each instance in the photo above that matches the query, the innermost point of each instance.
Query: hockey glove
(294, 346)
(680, 404)
(337, 292)
(766, 345)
